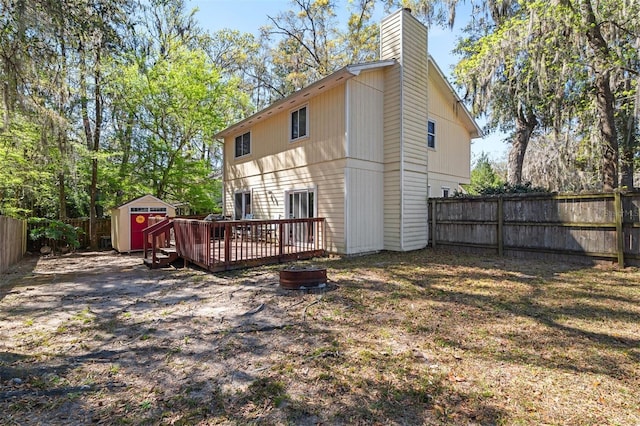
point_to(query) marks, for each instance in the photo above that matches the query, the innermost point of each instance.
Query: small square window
(445, 192)
(431, 134)
(243, 145)
(299, 123)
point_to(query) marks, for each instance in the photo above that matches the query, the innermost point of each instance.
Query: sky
(249, 15)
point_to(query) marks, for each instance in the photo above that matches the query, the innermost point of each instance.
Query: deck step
(162, 260)
(168, 250)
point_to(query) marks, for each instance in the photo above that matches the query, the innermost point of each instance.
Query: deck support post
(227, 245)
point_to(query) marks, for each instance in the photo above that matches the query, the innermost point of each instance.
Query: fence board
(604, 225)
(103, 227)
(13, 241)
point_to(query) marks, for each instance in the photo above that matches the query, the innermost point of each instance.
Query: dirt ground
(425, 338)
(94, 326)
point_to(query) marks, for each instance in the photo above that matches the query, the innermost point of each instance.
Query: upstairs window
(299, 124)
(243, 145)
(431, 134)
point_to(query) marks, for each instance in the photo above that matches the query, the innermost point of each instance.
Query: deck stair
(165, 257)
(158, 249)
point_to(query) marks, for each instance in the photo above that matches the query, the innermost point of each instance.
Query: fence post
(500, 226)
(433, 223)
(617, 200)
(24, 236)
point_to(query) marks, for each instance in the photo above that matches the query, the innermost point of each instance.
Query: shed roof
(145, 197)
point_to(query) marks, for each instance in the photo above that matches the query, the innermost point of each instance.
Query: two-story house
(363, 148)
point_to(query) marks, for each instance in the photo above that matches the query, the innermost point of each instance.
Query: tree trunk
(627, 168)
(92, 137)
(62, 196)
(629, 139)
(605, 100)
(96, 148)
(604, 105)
(525, 124)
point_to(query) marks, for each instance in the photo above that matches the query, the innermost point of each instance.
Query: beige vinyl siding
(415, 84)
(391, 48)
(390, 42)
(268, 195)
(271, 148)
(392, 210)
(452, 155)
(364, 173)
(438, 182)
(392, 125)
(276, 165)
(365, 131)
(364, 213)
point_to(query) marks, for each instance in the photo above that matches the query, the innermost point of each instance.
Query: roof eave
(300, 96)
(475, 130)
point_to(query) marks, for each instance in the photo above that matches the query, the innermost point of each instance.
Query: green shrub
(57, 233)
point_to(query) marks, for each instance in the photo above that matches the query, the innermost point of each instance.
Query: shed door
(139, 221)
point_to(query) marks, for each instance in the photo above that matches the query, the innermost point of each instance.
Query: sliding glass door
(300, 204)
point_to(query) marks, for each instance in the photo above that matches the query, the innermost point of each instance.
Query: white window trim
(313, 189)
(291, 111)
(446, 188)
(243, 191)
(435, 134)
(250, 144)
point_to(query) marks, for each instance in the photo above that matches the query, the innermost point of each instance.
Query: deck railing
(157, 235)
(226, 245)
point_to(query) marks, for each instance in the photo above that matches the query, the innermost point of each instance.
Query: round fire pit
(303, 278)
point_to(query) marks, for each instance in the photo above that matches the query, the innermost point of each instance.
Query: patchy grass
(414, 338)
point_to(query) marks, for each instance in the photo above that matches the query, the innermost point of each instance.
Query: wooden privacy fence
(103, 227)
(13, 241)
(233, 244)
(603, 225)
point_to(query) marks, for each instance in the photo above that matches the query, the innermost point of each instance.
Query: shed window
(431, 134)
(243, 145)
(299, 123)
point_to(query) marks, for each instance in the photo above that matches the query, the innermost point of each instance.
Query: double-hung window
(431, 134)
(299, 123)
(243, 145)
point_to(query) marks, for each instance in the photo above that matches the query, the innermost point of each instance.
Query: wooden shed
(129, 219)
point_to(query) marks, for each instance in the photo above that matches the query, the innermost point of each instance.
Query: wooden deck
(226, 245)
